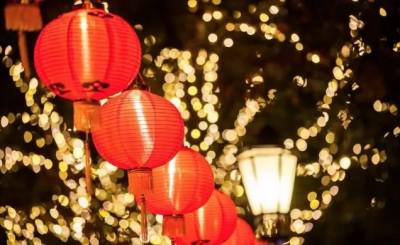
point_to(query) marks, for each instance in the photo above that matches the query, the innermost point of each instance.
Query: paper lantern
(243, 234)
(211, 224)
(181, 186)
(87, 54)
(23, 17)
(138, 131)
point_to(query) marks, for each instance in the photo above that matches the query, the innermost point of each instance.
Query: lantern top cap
(88, 5)
(263, 150)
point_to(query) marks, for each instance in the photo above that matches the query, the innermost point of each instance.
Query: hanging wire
(143, 82)
(139, 83)
(97, 4)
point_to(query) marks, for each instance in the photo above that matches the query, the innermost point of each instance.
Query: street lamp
(268, 174)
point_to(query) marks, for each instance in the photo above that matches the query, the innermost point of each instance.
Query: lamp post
(268, 174)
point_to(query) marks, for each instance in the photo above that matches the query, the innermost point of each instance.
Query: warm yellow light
(192, 90)
(268, 176)
(207, 17)
(212, 38)
(345, 162)
(299, 46)
(230, 27)
(382, 12)
(294, 38)
(192, 3)
(195, 133)
(217, 15)
(228, 42)
(264, 17)
(273, 9)
(315, 58)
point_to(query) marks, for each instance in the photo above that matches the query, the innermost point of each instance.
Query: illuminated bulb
(273, 9)
(345, 162)
(169, 77)
(251, 31)
(230, 27)
(315, 58)
(228, 42)
(382, 12)
(217, 15)
(299, 46)
(203, 125)
(264, 17)
(195, 133)
(192, 90)
(301, 144)
(192, 3)
(57, 229)
(243, 27)
(212, 117)
(83, 202)
(212, 37)
(214, 57)
(294, 37)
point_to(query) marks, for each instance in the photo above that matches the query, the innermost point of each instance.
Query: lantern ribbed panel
(214, 222)
(182, 185)
(242, 235)
(138, 129)
(87, 54)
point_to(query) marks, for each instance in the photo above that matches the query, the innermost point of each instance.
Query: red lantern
(181, 186)
(23, 17)
(211, 224)
(259, 242)
(87, 54)
(242, 235)
(138, 131)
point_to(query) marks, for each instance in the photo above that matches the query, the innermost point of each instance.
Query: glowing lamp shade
(138, 129)
(243, 234)
(87, 54)
(211, 224)
(268, 175)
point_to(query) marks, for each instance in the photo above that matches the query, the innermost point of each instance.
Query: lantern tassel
(140, 182)
(88, 166)
(23, 51)
(22, 17)
(143, 216)
(173, 226)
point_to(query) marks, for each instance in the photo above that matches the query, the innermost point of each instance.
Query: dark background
(352, 217)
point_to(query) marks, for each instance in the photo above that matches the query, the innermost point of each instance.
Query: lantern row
(88, 55)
